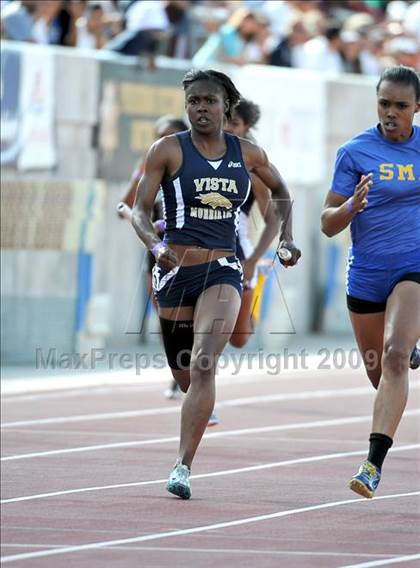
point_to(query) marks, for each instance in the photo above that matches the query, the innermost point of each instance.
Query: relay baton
(284, 254)
(125, 211)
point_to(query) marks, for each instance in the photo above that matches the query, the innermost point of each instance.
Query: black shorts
(359, 306)
(183, 285)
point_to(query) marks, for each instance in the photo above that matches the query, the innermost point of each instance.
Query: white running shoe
(213, 420)
(415, 358)
(173, 392)
(179, 480)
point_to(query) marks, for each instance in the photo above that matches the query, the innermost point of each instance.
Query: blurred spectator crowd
(356, 36)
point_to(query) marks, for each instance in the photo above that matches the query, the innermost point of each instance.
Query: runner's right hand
(359, 199)
(166, 258)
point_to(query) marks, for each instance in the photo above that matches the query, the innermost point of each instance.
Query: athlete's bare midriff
(189, 255)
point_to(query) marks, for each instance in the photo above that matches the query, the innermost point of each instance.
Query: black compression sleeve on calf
(378, 448)
(178, 339)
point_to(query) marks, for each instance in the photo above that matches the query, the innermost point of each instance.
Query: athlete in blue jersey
(204, 175)
(245, 116)
(376, 189)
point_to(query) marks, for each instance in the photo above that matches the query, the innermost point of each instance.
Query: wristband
(160, 225)
(349, 205)
(157, 249)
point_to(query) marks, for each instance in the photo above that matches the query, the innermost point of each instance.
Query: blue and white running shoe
(415, 358)
(366, 480)
(213, 420)
(179, 480)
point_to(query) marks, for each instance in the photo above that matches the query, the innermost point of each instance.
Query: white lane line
(406, 558)
(240, 551)
(305, 395)
(91, 417)
(83, 391)
(251, 551)
(195, 530)
(222, 434)
(243, 401)
(140, 384)
(220, 473)
(69, 390)
(241, 368)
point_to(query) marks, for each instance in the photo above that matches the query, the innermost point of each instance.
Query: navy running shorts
(183, 285)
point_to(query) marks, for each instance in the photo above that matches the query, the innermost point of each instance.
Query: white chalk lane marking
(220, 473)
(83, 391)
(243, 401)
(233, 551)
(200, 529)
(240, 370)
(305, 395)
(398, 560)
(222, 434)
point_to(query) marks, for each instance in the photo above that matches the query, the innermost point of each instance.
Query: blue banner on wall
(11, 131)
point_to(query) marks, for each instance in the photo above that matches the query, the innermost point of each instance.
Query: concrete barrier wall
(49, 230)
(38, 303)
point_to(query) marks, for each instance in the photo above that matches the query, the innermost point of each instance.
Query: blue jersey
(390, 223)
(202, 200)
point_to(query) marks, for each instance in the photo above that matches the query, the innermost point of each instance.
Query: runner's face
(237, 126)
(397, 106)
(205, 105)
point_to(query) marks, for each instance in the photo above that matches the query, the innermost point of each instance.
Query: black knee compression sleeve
(178, 339)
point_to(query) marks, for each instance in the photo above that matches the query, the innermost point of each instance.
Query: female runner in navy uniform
(376, 188)
(198, 280)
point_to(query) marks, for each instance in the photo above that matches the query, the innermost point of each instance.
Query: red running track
(83, 474)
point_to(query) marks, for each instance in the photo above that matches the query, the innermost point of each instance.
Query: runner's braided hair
(232, 93)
